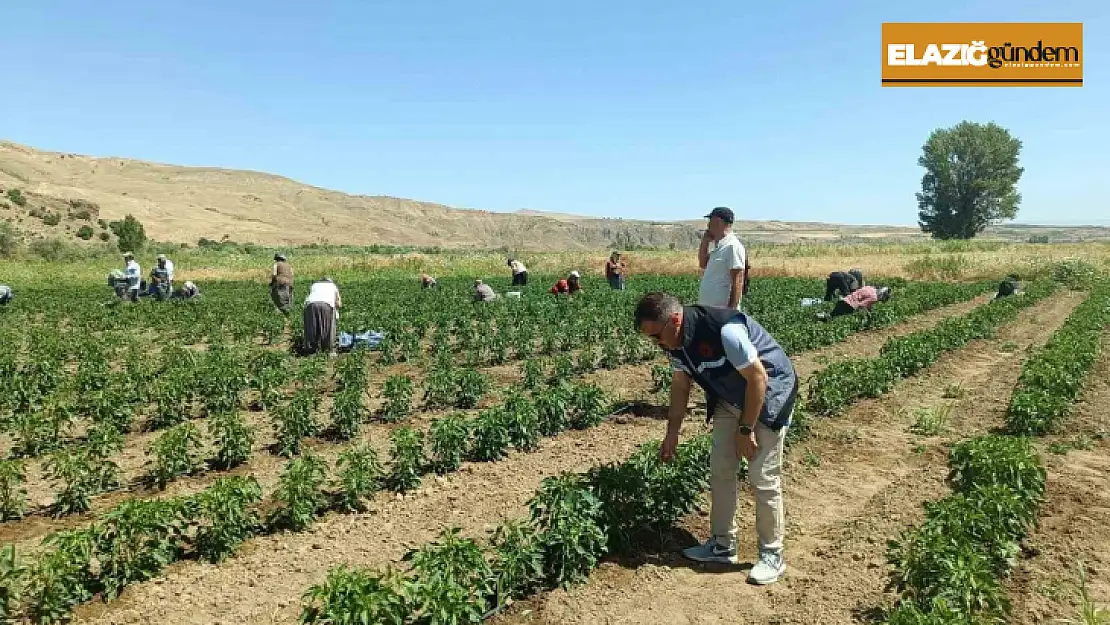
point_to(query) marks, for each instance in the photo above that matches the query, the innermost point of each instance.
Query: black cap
(723, 212)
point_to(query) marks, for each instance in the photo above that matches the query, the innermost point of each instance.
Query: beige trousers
(764, 476)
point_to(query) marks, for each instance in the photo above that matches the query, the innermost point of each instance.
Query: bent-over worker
(321, 312)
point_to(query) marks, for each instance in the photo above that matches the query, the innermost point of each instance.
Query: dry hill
(184, 204)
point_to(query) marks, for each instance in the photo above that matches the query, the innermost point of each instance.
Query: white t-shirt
(716, 283)
(518, 267)
(325, 292)
(169, 269)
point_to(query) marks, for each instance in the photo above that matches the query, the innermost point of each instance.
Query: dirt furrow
(855, 484)
(265, 582)
(1075, 518)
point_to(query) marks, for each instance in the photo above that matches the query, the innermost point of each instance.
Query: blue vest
(703, 354)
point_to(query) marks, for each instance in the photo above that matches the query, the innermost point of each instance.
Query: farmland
(176, 463)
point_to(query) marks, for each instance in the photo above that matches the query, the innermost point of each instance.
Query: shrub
(17, 197)
(85, 232)
(51, 219)
(130, 234)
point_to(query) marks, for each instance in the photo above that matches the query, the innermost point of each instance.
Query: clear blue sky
(645, 109)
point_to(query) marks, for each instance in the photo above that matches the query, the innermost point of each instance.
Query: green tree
(971, 171)
(130, 234)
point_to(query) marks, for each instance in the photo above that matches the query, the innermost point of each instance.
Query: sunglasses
(658, 336)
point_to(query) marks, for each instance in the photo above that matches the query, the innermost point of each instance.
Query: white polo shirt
(325, 292)
(716, 283)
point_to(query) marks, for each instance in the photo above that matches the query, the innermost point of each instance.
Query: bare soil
(264, 583)
(859, 481)
(1075, 519)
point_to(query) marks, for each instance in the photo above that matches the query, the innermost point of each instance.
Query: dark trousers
(520, 279)
(841, 308)
(838, 284)
(319, 328)
(282, 294)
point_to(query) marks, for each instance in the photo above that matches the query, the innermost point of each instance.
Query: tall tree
(971, 171)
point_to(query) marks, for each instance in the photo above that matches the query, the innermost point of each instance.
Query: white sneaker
(769, 569)
(711, 551)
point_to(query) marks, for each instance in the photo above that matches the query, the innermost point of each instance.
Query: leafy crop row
(212, 524)
(574, 521)
(1052, 379)
(838, 385)
(948, 569)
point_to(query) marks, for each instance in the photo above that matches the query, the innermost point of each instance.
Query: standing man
(751, 386)
(281, 283)
(134, 275)
(614, 271)
(722, 260)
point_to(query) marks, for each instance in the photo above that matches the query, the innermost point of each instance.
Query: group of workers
(128, 283)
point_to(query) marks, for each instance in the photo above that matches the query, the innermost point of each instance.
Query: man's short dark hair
(656, 306)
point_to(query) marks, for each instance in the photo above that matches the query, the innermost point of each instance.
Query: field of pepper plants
(177, 462)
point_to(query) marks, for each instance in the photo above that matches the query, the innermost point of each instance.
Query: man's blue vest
(703, 354)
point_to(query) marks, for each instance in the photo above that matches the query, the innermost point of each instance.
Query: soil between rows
(1075, 518)
(858, 482)
(264, 583)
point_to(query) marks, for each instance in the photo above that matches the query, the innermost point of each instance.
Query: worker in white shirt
(520, 272)
(134, 275)
(5, 294)
(321, 314)
(722, 259)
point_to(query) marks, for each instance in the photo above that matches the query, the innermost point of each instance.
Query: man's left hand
(746, 446)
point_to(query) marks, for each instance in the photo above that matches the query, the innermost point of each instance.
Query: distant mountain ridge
(184, 204)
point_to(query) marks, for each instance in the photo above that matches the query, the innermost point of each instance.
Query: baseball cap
(723, 212)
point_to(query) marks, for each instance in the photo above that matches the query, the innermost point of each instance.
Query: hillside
(184, 204)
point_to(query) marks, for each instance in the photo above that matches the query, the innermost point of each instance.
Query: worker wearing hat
(166, 264)
(722, 259)
(134, 275)
(281, 283)
(567, 286)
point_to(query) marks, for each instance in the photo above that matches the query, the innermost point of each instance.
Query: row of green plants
(574, 521)
(950, 568)
(58, 333)
(212, 524)
(1052, 379)
(837, 386)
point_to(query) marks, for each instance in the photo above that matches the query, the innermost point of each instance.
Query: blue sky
(647, 109)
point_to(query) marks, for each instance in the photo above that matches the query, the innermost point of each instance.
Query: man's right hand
(667, 450)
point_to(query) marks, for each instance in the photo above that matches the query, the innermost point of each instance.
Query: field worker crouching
(753, 386)
(427, 282)
(188, 291)
(483, 292)
(520, 272)
(568, 286)
(1009, 286)
(841, 283)
(281, 283)
(321, 313)
(861, 299)
(5, 294)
